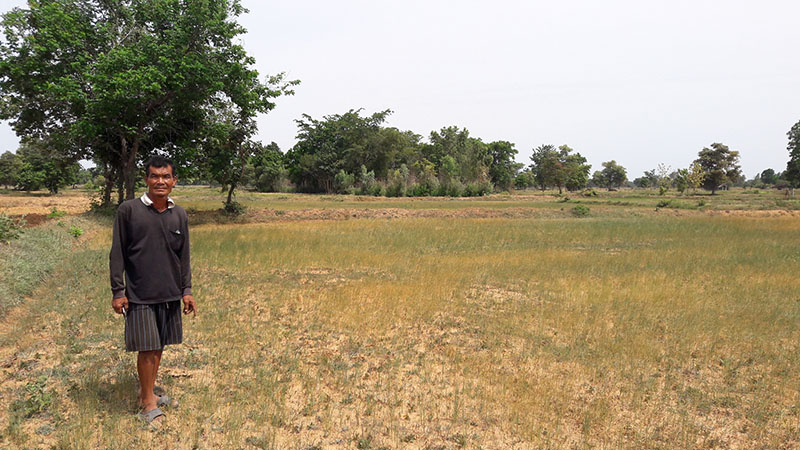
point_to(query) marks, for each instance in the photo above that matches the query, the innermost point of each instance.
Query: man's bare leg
(147, 365)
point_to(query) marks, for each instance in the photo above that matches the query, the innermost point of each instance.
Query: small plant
(55, 213)
(563, 200)
(10, 228)
(36, 400)
(234, 208)
(701, 202)
(664, 203)
(580, 211)
(589, 193)
(75, 231)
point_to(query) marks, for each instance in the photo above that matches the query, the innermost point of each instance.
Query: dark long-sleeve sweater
(151, 248)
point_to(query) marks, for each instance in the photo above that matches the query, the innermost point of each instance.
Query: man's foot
(164, 400)
(153, 417)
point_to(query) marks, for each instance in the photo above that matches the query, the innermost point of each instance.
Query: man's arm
(116, 263)
(186, 271)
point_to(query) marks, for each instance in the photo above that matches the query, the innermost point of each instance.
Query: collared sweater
(151, 248)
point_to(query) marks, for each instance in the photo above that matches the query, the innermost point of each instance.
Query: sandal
(164, 400)
(151, 415)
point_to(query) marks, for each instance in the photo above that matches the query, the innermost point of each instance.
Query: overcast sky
(641, 82)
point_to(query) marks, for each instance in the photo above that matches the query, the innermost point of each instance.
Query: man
(150, 247)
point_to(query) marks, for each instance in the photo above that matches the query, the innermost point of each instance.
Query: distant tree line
(128, 79)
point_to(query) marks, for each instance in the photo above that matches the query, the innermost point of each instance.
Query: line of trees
(115, 82)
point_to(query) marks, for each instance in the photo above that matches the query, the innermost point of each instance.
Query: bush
(701, 203)
(398, 182)
(580, 211)
(234, 208)
(452, 188)
(10, 228)
(664, 203)
(589, 193)
(75, 231)
(343, 182)
(55, 213)
(478, 189)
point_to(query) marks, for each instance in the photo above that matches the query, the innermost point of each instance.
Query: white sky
(641, 82)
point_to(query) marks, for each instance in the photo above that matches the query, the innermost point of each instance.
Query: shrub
(10, 228)
(398, 182)
(589, 193)
(75, 231)
(343, 182)
(234, 208)
(580, 211)
(55, 213)
(701, 202)
(478, 189)
(664, 203)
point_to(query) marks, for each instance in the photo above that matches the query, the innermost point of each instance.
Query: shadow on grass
(106, 396)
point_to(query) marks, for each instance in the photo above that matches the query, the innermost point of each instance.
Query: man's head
(159, 176)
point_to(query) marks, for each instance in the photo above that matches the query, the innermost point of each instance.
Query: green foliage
(10, 228)
(117, 80)
(55, 213)
(368, 185)
(559, 168)
(398, 182)
(682, 180)
(524, 180)
(719, 165)
(233, 208)
(37, 399)
(344, 183)
(337, 143)
(503, 169)
(28, 260)
(580, 211)
(10, 166)
(613, 175)
(269, 173)
(75, 231)
(664, 203)
(792, 173)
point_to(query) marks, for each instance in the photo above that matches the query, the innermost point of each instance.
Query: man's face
(160, 182)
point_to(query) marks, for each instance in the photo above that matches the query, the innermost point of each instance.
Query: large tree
(613, 175)
(44, 166)
(792, 173)
(116, 81)
(10, 166)
(559, 167)
(720, 166)
(503, 169)
(339, 142)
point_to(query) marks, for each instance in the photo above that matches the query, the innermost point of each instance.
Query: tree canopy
(792, 173)
(559, 167)
(720, 166)
(117, 81)
(613, 175)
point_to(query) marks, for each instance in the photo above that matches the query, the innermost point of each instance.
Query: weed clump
(10, 228)
(234, 208)
(580, 211)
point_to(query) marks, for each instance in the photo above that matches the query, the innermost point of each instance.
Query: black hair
(158, 161)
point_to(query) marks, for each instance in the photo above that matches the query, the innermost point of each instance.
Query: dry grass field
(506, 322)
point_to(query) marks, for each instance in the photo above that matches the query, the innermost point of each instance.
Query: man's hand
(119, 303)
(189, 306)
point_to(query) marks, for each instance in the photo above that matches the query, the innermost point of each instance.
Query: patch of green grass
(28, 260)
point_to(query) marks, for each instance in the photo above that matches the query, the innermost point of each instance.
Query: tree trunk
(230, 193)
(130, 170)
